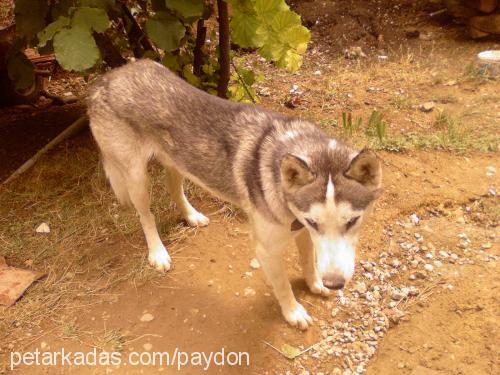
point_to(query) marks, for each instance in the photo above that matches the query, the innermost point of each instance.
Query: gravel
(377, 299)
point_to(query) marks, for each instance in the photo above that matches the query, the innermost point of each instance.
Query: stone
(397, 295)
(354, 53)
(254, 264)
(427, 106)
(147, 317)
(249, 292)
(43, 228)
(414, 219)
(490, 171)
(360, 287)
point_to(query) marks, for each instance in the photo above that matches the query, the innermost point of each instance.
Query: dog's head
(330, 192)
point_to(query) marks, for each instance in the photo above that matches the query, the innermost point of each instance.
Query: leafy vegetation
(84, 34)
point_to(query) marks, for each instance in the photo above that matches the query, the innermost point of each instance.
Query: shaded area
(24, 130)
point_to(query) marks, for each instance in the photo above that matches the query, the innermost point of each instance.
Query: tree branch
(138, 39)
(110, 53)
(224, 49)
(201, 35)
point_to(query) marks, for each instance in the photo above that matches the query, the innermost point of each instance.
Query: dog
(290, 178)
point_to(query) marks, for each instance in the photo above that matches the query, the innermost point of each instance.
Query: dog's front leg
(309, 267)
(270, 248)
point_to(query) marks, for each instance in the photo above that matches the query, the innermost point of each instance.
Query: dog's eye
(351, 222)
(312, 224)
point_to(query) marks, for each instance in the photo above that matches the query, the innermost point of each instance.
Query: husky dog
(291, 179)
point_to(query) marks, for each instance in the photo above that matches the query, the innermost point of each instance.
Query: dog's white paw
(298, 317)
(159, 258)
(317, 287)
(197, 219)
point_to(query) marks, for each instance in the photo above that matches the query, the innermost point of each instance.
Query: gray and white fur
(292, 180)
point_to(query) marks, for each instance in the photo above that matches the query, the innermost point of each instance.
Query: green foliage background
(70, 29)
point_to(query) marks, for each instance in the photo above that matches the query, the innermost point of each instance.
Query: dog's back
(145, 110)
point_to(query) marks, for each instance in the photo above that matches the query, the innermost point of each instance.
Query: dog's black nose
(334, 282)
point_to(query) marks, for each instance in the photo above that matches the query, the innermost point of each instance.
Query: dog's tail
(117, 180)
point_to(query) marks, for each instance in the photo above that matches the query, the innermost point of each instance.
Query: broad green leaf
(103, 4)
(20, 71)
(48, 33)
(187, 73)
(165, 31)
(242, 6)
(268, 8)
(75, 49)
(284, 20)
(87, 18)
(152, 55)
(291, 60)
(30, 17)
(247, 75)
(273, 49)
(244, 30)
(171, 62)
(187, 9)
(298, 37)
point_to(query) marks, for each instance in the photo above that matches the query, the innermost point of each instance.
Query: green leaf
(271, 26)
(75, 49)
(103, 4)
(273, 49)
(165, 30)
(244, 29)
(268, 8)
(48, 33)
(187, 9)
(208, 69)
(298, 37)
(171, 62)
(187, 73)
(284, 20)
(21, 71)
(247, 75)
(90, 19)
(291, 60)
(30, 17)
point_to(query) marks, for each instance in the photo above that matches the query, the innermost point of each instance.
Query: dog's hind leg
(137, 181)
(308, 260)
(175, 187)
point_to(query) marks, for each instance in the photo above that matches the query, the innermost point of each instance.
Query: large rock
(480, 26)
(457, 9)
(485, 6)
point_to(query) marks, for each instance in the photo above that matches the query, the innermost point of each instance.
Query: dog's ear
(366, 168)
(295, 172)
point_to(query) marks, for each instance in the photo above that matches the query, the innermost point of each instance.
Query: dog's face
(331, 196)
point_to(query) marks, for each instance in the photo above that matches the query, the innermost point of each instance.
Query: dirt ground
(441, 166)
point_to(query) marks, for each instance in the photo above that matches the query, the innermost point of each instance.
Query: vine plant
(88, 35)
